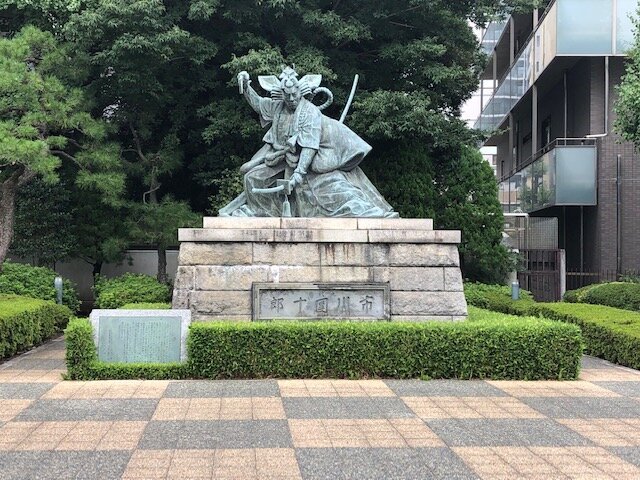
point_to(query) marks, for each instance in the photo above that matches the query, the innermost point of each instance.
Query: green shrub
(497, 298)
(500, 349)
(26, 322)
(146, 306)
(577, 295)
(36, 282)
(609, 333)
(615, 294)
(130, 288)
(83, 364)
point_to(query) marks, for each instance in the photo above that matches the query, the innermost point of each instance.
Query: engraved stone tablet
(308, 301)
(140, 336)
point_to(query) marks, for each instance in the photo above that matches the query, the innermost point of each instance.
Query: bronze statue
(309, 163)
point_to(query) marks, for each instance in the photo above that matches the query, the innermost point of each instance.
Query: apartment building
(549, 94)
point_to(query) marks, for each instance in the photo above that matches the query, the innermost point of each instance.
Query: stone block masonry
(219, 264)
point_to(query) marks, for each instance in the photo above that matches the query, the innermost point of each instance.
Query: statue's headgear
(288, 81)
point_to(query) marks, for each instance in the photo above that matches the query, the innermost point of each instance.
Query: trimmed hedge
(27, 322)
(577, 295)
(614, 294)
(511, 349)
(36, 282)
(146, 306)
(497, 298)
(83, 364)
(130, 288)
(503, 348)
(609, 333)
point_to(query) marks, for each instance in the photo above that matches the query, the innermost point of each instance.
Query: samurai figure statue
(309, 163)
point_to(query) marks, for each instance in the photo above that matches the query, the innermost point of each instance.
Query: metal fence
(577, 278)
(541, 274)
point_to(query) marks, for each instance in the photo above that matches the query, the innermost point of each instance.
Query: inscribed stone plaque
(144, 336)
(308, 301)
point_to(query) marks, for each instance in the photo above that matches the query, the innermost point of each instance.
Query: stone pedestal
(219, 264)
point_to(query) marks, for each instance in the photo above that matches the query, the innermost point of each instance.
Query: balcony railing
(564, 173)
(492, 35)
(568, 28)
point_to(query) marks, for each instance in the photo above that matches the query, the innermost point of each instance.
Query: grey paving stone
(444, 388)
(24, 390)
(381, 464)
(29, 363)
(595, 362)
(628, 389)
(95, 409)
(349, 407)
(44, 465)
(585, 407)
(222, 388)
(505, 432)
(216, 434)
(629, 454)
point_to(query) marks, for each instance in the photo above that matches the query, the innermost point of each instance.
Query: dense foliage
(44, 223)
(161, 73)
(146, 306)
(43, 122)
(36, 282)
(130, 288)
(26, 322)
(614, 294)
(627, 122)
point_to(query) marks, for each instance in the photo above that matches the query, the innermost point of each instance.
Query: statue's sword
(350, 100)
(284, 185)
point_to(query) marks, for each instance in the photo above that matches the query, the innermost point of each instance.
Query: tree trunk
(8, 191)
(97, 268)
(162, 265)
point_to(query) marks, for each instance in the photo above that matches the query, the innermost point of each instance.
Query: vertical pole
(618, 218)
(566, 105)
(512, 40)
(581, 239)
(534, 120)
(57, 283)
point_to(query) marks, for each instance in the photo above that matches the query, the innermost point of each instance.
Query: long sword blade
(353, 93)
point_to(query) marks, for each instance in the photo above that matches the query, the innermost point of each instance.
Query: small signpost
(141, 336)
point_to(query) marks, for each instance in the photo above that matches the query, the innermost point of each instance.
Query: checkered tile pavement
(316, 429)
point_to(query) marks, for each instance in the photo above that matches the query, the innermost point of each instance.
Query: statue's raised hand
(243, 81)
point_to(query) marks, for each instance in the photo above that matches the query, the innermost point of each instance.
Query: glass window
(585, 26)
(576, 175)
(624, 24)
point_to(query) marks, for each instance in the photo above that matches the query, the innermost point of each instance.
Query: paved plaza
(316, 429)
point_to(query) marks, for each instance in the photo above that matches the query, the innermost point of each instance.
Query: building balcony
(564, 173)
(569, 28)
(492, 35)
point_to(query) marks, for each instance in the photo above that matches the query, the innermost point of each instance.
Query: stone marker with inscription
(305, 301)
(140, 336)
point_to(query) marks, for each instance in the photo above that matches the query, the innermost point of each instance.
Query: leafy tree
(627, 122)
(44, 122)
(99, 230)
(144, 70)
(157, 225)
(43, 230)
(467, 200)
(163, 73)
